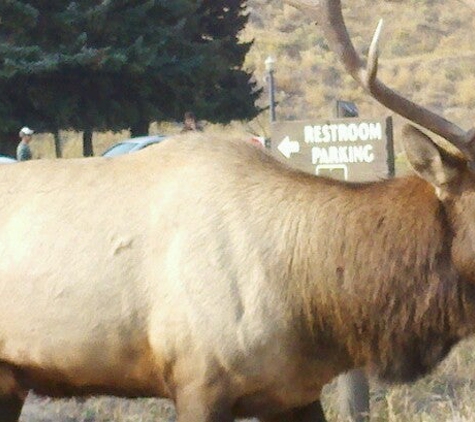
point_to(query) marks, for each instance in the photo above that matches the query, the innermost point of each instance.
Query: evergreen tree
(225, 99)
(113, 64)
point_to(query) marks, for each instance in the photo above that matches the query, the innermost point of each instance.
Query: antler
(328, 14)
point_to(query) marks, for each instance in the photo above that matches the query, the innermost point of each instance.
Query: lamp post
(269, 63)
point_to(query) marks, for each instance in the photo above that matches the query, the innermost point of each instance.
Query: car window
(119, 149)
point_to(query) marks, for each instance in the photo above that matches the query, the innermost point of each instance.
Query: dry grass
(446, 395)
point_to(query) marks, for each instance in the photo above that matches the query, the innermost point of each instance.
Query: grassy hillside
(427, 54)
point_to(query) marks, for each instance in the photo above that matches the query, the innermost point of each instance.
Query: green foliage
(100, 65)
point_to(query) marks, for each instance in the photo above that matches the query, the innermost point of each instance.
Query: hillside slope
(427, 54)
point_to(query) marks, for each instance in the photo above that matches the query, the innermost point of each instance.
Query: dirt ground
(43, 409)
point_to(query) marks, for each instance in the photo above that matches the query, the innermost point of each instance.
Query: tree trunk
(57, 144)
(87, 150)
(139, 128)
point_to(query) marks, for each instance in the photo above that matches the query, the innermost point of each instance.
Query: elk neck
(370, 268)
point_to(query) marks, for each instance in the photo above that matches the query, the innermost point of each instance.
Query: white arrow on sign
(287, 147)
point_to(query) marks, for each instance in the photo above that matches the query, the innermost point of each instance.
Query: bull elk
(205, 271)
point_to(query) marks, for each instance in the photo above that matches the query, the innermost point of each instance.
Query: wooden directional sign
(350, 149)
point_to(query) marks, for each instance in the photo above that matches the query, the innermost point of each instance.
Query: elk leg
(10, 408)
(201, 404)
(311, 413)
(353, 393)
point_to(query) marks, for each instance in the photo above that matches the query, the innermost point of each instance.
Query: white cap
(26, 131)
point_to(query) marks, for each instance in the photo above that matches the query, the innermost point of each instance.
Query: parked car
(133, 144)
(4, 159)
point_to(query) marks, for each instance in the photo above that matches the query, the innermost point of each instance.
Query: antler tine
(373, 55)
(328, 14)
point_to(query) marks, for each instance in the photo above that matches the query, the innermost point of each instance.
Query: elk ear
(427, 159)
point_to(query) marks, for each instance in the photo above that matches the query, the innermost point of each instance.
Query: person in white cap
(23, 151)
